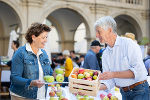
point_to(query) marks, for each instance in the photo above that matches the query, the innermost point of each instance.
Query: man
(14, 46)
(90, 61)
(122, 62)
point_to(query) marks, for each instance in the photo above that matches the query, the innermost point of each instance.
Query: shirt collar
(28, 48)
(117, 42)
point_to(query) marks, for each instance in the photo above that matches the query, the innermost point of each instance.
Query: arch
(15, 7)
(132, 15)
(50, 9)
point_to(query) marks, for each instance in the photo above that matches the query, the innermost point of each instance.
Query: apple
(80, 76)
(53, 98)
(52, 85)
(51, 93)
(59, 71)
(102, 96)
(89, 78)
(105, 98)
(81, 71)
(95, 73)
(91, 98)
(86, 97)
(58, 93)
(64, 99)
(78, 97)
(109, 95)
(76, 73)
(74, 76)
(95, 77)
(114, 98)
(49, 78)
(61, 97)
(87, 75)
(59, 78)
(57, 85)
(91, 73)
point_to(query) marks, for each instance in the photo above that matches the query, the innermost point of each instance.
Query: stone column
(22, 39)
(67, 45)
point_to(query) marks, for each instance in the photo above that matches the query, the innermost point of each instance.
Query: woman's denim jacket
(24, 69)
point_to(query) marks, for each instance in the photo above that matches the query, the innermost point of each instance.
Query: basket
(86, 87)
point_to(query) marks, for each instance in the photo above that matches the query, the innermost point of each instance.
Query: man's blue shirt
(90, 61)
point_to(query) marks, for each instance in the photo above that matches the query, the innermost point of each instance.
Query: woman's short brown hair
(36, 29)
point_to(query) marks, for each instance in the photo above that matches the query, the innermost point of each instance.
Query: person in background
(81, 60)
(122, 62)
(29, 66)
(99, 58)
(74, 58)
(131, 36)
(14, 46)
(68, 65)
(90, 60)
(147, 61)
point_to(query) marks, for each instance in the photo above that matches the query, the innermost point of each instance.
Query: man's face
(97, 49)
(102, 34)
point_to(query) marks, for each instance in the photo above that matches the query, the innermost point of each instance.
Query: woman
(30, 64)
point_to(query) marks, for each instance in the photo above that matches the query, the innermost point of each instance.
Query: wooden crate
(86, 87)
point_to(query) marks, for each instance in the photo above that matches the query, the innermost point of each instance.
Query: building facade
(66, 15)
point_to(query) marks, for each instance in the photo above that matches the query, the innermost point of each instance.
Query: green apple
(105, 98)
(58, 93)
(53, 98)
(91, 98)
(49, 78)
(80, 76)
(95, 77)
(86, 97)
(57, 85)
(59, 71)
(59, 78)
(60, 98)
(78, 97)
(91, 73)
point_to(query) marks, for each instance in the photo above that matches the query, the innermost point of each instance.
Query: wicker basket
(86, 87)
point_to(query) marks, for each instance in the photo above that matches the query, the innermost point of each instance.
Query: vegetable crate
(85, 87)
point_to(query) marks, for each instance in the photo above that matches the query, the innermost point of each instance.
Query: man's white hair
(105, 23)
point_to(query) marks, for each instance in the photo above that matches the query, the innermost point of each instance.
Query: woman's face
(40, 41)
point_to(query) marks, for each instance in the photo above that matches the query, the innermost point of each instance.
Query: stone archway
(9, 21)
(68, 21)
(126, 23)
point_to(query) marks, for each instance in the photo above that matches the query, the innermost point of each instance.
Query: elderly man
(122, 62)
(90, 60)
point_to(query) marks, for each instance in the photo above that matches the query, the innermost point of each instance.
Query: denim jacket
(25, 69)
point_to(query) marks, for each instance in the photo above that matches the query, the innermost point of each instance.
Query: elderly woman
(30, 64)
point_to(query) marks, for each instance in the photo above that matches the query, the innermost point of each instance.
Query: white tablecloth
(70, 96)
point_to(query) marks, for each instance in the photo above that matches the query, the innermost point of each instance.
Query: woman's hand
(37, 83)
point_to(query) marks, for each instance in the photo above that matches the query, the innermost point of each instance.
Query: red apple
(102, 96)
(95, 73)
(51, 93)
(89, 78)
(76, 73)
(74, 76)
(64, 99)
(81, 71)
(109, 95)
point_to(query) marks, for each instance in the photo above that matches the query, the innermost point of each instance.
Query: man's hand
(103, 87)
(37, 83)
(106, 76)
